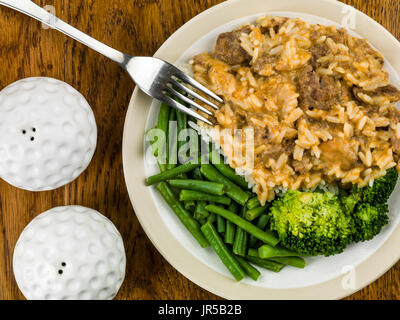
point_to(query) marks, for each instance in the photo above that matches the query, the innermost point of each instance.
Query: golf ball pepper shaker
(69, 252)
(48, 134)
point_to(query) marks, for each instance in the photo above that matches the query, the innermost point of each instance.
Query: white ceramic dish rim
(233, 290)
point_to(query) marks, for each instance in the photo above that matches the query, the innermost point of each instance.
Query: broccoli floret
(350, 200)
(381, 189)
(311, 223)
(368, 206)
(369, 220)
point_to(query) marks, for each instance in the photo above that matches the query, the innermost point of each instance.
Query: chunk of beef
(315, 91)
(363, 48)
(328, 90)
(263, 65)
(273, 152)
(302, 166)
(390, 92)
(317, 52)
(228, 48)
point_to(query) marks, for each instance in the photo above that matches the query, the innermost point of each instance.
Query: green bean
(231, 189)
(172, 140)
(162, 124)
(187, 195)
(200, 212)
(266, 252)
(265, 236)
(297, 262)
(226, 170)
(262, 224)
(241, 238)
(171, 173)
(222, 251)
(194, 144)
(203, 186)
(253, 203)
(248, 268)
(181, 125)
(229, 235)
(255, 213)
(231, 227)
(266, 264)
(184, 216)
(221, 224)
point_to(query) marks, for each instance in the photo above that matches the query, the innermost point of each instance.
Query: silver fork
(157, 78)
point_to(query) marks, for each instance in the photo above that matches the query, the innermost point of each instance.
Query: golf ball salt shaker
(69, 252)
(48, 134)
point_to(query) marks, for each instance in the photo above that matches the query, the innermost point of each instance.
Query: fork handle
(31, 9)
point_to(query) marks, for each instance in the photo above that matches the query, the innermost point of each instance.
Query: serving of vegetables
(218, 209)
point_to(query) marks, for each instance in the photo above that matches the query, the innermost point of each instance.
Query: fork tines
(176, 83)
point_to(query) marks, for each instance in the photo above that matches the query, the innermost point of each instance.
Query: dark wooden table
(138, 27)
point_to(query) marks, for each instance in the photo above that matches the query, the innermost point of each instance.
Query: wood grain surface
(137, 27)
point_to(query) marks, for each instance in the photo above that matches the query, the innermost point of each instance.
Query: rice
(316, 99)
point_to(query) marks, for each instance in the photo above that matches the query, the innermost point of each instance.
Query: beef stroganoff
(317, 100)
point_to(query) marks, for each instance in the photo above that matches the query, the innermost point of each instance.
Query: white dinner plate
(324, 277)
